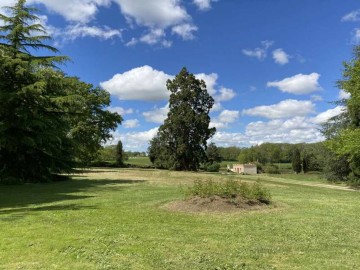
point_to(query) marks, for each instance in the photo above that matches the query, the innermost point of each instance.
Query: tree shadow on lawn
(28, 195)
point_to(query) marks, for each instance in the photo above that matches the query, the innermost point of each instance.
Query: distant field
(117, 219)
(139, 161)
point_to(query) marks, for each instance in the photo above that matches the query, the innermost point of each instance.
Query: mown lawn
(117, 219)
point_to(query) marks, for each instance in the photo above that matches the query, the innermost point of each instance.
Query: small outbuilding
(244, 168)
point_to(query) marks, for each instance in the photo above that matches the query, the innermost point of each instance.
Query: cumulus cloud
(120, 110)
(156, 16)
(185, 30)
(284, 109)
(82, 11)
(325, 116)
(294, 130)
(298, 84)
(225, 118)
(280, 57)
(142, 83)
(131, 123)
(73, 32)
(203, 4)
(353, 16)
(261, 52)
(343, 95)
(146, 83)
(225, 94)
(134, 140)
(356, 35)
(158, 115)
(316, 98)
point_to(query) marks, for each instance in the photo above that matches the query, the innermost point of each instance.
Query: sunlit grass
(117, 219)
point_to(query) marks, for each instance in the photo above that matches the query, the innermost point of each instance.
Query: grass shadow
(36, 194)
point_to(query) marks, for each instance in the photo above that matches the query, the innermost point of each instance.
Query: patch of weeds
(230, 189)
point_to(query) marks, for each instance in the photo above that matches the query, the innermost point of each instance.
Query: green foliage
(296, 161)
(229, 153)
(212, 167)
(47, 120)
(343, 132)
(271, 169)
(213, 154)
(181, 141)
(119, 154)
(229, 189)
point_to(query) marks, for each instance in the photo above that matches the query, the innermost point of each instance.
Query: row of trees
(49, 122)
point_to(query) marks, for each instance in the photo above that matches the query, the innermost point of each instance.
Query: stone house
(243, 168)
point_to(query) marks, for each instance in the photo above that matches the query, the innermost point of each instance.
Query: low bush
(229, 189)
(214, 167)
(271, 169)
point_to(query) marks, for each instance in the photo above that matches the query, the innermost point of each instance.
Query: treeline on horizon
(303, 157)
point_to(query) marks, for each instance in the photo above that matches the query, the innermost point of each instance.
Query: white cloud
(73, 32)
(225, 118)
(259, 53)
(82, 11)
(343, 95)
(225, 94)
(210, 81)
(228, 116)
(284, 109)
(203, 4)
(154, 36)
(356, 35)
(134, 140)
(294, 130)
(120, 110)
(131, 123)
(298, 84)
(154, 14)
(158, 115)
(142, 83)
(280, 57)
(316, 98)
(353, 16)
(185, 30)
(216, 107)
(157, 16)
(325, 116)
(146, 83)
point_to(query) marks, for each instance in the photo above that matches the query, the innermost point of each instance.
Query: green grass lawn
(117, 219)
(139, 161)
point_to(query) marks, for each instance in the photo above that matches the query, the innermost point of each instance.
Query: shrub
(271, 169)
(229, 189)
(214, 167)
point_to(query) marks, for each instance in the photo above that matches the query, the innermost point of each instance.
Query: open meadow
(118, 219)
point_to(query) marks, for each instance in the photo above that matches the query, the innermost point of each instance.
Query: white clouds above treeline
(298, 84)
(284, 109)
(148, 84)
(158, 18)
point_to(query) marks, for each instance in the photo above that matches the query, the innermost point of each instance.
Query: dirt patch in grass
(216, 204)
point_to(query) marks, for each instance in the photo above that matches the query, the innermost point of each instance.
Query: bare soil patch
(216, 204)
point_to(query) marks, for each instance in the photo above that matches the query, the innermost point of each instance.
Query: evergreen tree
(119, 154)
(181, 141)
(41, 109)
(213, 154)
(296, 161)
(33, 140)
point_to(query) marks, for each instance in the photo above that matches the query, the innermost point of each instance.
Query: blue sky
(271, 65)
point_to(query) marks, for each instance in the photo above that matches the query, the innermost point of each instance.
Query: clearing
(117, 219)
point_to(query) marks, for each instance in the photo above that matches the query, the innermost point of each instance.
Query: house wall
(244, 168)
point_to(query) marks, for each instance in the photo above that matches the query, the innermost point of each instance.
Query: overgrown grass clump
(229, 189)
